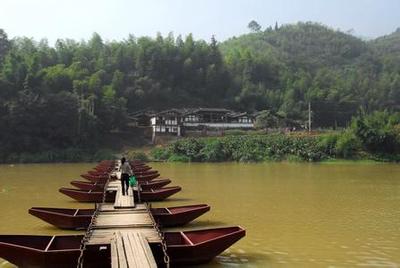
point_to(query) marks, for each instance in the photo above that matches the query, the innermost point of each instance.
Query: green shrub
(160, 153)
(212, 152)
(327, 143)
(137, 155)
(294, 158)
(378, 132)
(103, 154)
(347, 144)
(178, 158)
(245, 148)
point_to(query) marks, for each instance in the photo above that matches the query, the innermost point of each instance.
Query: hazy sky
(115, 19)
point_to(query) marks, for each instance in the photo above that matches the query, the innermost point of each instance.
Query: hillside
(73, 94)
(388, 44)
(303, 45)
(283, 69)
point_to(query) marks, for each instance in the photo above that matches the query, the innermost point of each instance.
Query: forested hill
(72, 93)
(285, 67)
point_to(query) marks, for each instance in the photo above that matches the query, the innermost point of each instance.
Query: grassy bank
(373, 136)
(273, 147)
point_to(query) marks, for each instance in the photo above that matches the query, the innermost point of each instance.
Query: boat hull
(82, 195)
(64, 218)
(30, 251)
(157, 194)
(86, 185)
(206, 244)
(177, 216)
(154, 184)
(183, 248)
(143, 178)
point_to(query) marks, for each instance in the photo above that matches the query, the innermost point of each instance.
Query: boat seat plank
(49, 244)
(76, 212)
(169, 211)
(186, 238)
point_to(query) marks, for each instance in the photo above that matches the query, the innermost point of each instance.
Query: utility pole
(309, 117)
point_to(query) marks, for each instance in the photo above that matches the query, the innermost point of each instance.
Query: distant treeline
(69, 95)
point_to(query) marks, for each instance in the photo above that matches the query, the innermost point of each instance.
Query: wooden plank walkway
(131, 249)
(128, 227)
(124, 201)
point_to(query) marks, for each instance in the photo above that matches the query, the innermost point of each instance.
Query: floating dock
(127, 226)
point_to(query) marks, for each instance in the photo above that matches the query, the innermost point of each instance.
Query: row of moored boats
(187, 247)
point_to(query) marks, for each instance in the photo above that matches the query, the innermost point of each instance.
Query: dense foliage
(70, 95)
(375, 136)
(244, 148)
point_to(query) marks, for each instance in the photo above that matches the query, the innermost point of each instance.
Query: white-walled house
(176, 121)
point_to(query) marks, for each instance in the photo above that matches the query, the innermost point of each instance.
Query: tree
(4, 45)
(254, 26)
(265, 119)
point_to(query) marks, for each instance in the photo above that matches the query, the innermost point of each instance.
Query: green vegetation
(73, 94)
(134, 154)
(375, 136)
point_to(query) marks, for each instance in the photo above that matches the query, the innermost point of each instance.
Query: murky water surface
(295, 215)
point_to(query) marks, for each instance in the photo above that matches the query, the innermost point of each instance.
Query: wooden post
(309, 116)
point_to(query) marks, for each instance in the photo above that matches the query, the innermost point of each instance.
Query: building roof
(197, 110)
(239, 114)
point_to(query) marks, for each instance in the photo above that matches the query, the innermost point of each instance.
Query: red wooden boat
(201, 246)
(103, 179)
(104, 168)
(154, 184)
(93, 177)
(98, 173)
(67, 218)
(97, 196)
(95, 186)
(87, 185)
(147, 172)
(157, 194)
(136, 163)
(176, 216)
(64, 218)
(83, 195)
(183, 248)
(99, 179)
(150, 177)
(41, 251)
(141, 168)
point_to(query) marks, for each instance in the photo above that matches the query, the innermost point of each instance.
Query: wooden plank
(186, 238)
(124, 201)
(104, 236)
(109, 208)
(137, 249)
(114, 254)
(76, 212)
(121, 253)
(144, 244)
(169, 211)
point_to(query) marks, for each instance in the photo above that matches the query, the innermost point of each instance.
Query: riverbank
(269, 147)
